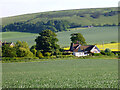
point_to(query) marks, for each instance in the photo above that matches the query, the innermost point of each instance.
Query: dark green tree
(47, 41)
(78, 38)
(108, 52)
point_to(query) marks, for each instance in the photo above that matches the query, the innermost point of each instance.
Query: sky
(18, 7)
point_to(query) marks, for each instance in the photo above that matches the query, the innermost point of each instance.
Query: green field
(75, 73)
(95, 35)
(15, 36)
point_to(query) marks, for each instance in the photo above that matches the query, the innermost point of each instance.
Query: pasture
(95, 35)
(75, 73)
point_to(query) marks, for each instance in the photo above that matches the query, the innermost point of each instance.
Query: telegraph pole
(103, 45)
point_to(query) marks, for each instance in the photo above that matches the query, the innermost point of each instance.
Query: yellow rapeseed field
(111, 46)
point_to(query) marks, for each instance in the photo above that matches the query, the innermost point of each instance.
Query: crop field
(15, 36)
(111, 46)
(95, 35)
(75, 73)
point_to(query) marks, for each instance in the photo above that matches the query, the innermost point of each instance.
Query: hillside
(95, 16)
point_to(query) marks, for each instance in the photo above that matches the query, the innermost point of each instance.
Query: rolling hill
(94, 16)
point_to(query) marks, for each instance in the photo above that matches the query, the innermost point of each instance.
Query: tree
(33, 49)
(23, 52)
(46, 42)
(107, 50)
(78, 38)
(8, 51)
(22, 49)
(21, 44)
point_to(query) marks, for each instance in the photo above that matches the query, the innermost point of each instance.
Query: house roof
(87, 47)
(8, 43)
(73, 46)
(77, 47)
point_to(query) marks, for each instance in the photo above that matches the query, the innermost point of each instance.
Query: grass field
(95, 35)
(76, 73)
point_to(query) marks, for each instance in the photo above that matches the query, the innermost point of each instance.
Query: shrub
(96, 54)
(8, 51)
(103, 52)
(23, 52)
(64, 56)
(58, 53)
(47, 54)
(39, 54)
(53, 57)
(113, 42)
(110, 54)
(118, 54)
(34, 51)
(107, 50)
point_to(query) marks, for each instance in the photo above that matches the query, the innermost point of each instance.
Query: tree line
(53, 25)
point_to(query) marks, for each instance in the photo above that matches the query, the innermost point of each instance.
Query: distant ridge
(79, 16)
(58, 21)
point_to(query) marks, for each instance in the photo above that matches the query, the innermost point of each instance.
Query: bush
(58, 53)
(107, 50)
(34, 51)
(113, 42)
(96, 54)
(118, 54)
(39, 54)
(23, 52)
(53, 57)
(64, 56)
(110, 54)
(47, 54)
(103, 53)
(8, 51)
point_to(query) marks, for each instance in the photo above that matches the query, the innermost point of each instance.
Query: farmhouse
(11, 44)
(79, 50)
